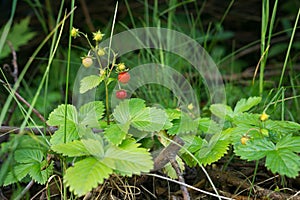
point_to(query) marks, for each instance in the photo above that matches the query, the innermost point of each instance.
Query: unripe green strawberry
(121, 94)
(124, 77)
(87, 61)
(264, 132)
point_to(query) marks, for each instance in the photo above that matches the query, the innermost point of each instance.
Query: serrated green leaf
(128, 159)
(57, 116)
(185, 125)
(41, 176)
(128, 109)
(149, 119)
(254, 149)
(173, 114)
(245, 104)
(289, 142)
(284, 162)
(247, 120)
(91, 113)
(116, 133)
(28, 155)
(17, 174)
(86, 175)
(221, 110)
(213, 150)
(207, 125)
(192, 143)
(94, 146)
(89, 82)
(72, 149)
(285, 127)
(71, 134)
(19, 35)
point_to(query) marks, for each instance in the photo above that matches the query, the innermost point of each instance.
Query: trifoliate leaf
(245, 104)
(17, 173)
(72, 149)
(57, 116)
(284, 162)
(91, 113)
(86, 175)
(221, 110)
(128, 159)
(89, 82)
(116, 133)
(28, 155)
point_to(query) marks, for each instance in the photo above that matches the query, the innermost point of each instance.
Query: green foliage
(101, 155)
(276, 141)
(19, 35)
(29, 159)
(89, 82)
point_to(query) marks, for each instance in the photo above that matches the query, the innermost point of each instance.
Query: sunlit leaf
(72, 149)
(116, 133)
(57, 116)
(86, 175)
(91, 113)
(246, 104)
(89, 82)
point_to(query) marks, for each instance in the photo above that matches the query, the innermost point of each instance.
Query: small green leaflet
(89, 82)
(213, 150)
(116, 133)
(71, 134)
(17, 173)
(86, 174)
(184, 125)
(134, 112)
(72, 149)
(128, 158)
(57, 116)
(91, 113)
(246, 104)
(221, 110)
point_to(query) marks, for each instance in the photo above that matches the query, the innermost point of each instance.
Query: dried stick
(168, 154)
(178, 171)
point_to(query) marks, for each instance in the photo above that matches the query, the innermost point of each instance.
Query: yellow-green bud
(74, 32)
(97, 36)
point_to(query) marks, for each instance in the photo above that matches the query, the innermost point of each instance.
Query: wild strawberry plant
(97, 142)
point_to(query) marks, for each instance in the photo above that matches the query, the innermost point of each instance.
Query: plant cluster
(95, 143)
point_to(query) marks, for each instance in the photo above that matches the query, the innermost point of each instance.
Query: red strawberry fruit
(121, 94)
(124, 77)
